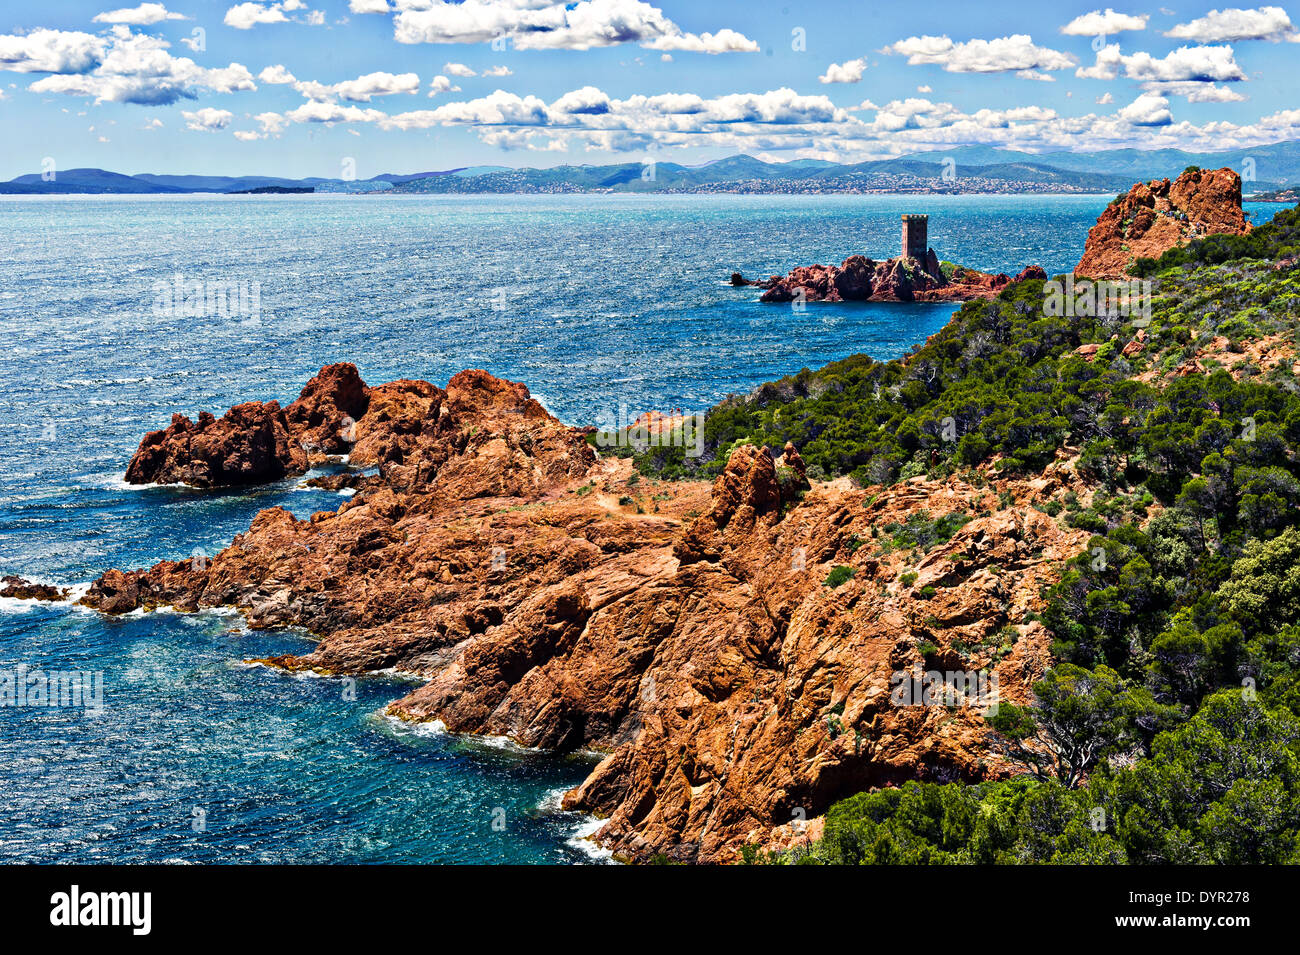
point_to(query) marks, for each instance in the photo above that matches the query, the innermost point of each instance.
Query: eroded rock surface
(691, 633)
(256, 441)
(1157, 216)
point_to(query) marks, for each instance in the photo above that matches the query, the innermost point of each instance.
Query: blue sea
(594, 302)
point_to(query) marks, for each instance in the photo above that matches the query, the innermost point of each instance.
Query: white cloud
(363, 88)
(272, 125)
(1202, 64)
(440, 84)
(849, 72)
(1149, 109)
(276, 75)
(724, 41)
(1196, 92)
(1264, 23)
(545, 24)
(505, 70)
(369, 6)
(1105, 24)
(1105, 99)
(136, 68)
(207, 119)
(245, 16)
(458, 69)
(143, 15)
(1004, 55)
(319, 112)
(924, 89)
(51, 51)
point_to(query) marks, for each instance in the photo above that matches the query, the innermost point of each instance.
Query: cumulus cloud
(850, 72)
(724, 41)
(1149, 109)
(1004, 55)
(245, 16)
(1196, 92)
(458, 69)
(51, 51)
(1105, 24)
(1264, 23)
(1203, 64)
(363, 88)
(317, 111)
(272, 124)
(544, 24)
(440, 84)
(143, 15)
(369, 6)
(506, 71)
(276, 75)
(130, 68)
(207, 119)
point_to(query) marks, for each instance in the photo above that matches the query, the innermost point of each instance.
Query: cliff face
(861, 279)
(1157, 216)
(691, 635)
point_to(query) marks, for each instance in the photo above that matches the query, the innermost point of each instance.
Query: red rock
(858, 278)
(18, 588)
(249, 444)
(324, 415)
(1158, 216)
(695, 645)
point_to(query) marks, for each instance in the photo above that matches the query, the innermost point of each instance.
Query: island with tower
(916, 274)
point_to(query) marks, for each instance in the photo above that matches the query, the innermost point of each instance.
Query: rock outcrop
(693, 634)
(18, 588)
(256, 442)
(860, 279)
(1157, 216)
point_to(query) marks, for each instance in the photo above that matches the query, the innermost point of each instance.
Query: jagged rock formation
(860, 279)
(1157, 216)
(254, 442)
(17, 588)
(686, 631)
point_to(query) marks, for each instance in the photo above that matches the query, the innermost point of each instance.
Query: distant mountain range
(967, 169)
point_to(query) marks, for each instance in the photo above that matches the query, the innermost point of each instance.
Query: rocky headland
(691, 633)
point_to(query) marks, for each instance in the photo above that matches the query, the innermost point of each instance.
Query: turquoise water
(593, 302)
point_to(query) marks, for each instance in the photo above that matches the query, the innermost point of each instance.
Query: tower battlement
(916, 243)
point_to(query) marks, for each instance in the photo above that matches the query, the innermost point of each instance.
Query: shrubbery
(1169, 730)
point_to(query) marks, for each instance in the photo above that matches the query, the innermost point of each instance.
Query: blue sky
(298, 87)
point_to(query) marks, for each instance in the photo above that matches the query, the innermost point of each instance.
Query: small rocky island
(916, 275)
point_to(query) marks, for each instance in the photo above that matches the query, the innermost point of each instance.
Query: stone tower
(915, 242)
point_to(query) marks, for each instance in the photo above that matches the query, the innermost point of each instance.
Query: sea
(602, 305)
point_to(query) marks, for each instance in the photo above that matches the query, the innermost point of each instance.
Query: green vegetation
(1169, 730)
(839, 574)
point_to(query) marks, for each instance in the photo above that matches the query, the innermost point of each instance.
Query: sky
(355, 88)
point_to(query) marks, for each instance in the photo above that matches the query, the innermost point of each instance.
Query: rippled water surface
(592, 302)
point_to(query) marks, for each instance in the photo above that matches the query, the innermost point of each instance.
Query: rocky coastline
(687, 631)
